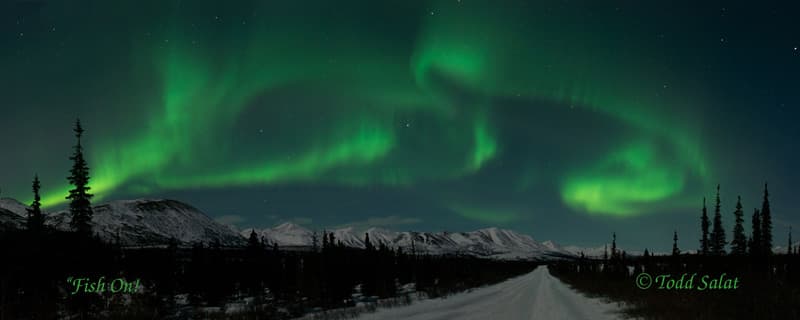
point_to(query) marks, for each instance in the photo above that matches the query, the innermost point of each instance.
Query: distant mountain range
(489, 242)
(151, 222)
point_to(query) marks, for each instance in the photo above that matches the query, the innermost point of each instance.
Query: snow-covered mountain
(287, 234)
(596, 252)
(14, 206)
(10, 220)
(152, 222)
(490, 242)
(12, 214)
(141, 222)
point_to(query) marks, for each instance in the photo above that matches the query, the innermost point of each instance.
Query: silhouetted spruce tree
(35, 220)
(80, 206)
(717, 231)
(704, 224)
(325, 243)
(739, 242)
(675, 251)
(605, 253)
(646, 253)
(766, 224)
(614, 246)
(315, 241)
(789, 247)
(367, 243)
(253, 242)
(755, 235)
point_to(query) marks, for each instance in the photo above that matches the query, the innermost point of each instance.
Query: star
(260, 130)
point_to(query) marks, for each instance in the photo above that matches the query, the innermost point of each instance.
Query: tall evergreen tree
(253, 242)
(614, 245)
(675, 251)
(739, 242)
(80, 206)
(717, 231)
(605, 253)
(755, 235)
(704, 224)
(367, 243)
(766, 224)
(789, 247)
(35, 220)
(314, 241)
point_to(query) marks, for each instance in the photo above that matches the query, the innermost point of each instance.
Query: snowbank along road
(536, 295)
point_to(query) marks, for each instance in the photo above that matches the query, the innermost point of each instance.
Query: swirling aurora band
(259, 96)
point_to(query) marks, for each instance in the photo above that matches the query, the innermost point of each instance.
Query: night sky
(566, 120)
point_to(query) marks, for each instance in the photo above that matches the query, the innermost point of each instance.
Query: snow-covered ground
(536, 295)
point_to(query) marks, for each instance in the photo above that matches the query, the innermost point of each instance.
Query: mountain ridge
(488, 242)
(156, 222)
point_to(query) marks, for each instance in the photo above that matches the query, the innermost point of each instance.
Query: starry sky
(566, 120)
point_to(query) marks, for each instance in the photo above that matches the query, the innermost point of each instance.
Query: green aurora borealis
(488, 115)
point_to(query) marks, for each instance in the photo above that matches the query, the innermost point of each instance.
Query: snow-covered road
(536, 295)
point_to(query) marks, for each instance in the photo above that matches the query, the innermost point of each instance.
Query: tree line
(770, 281)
